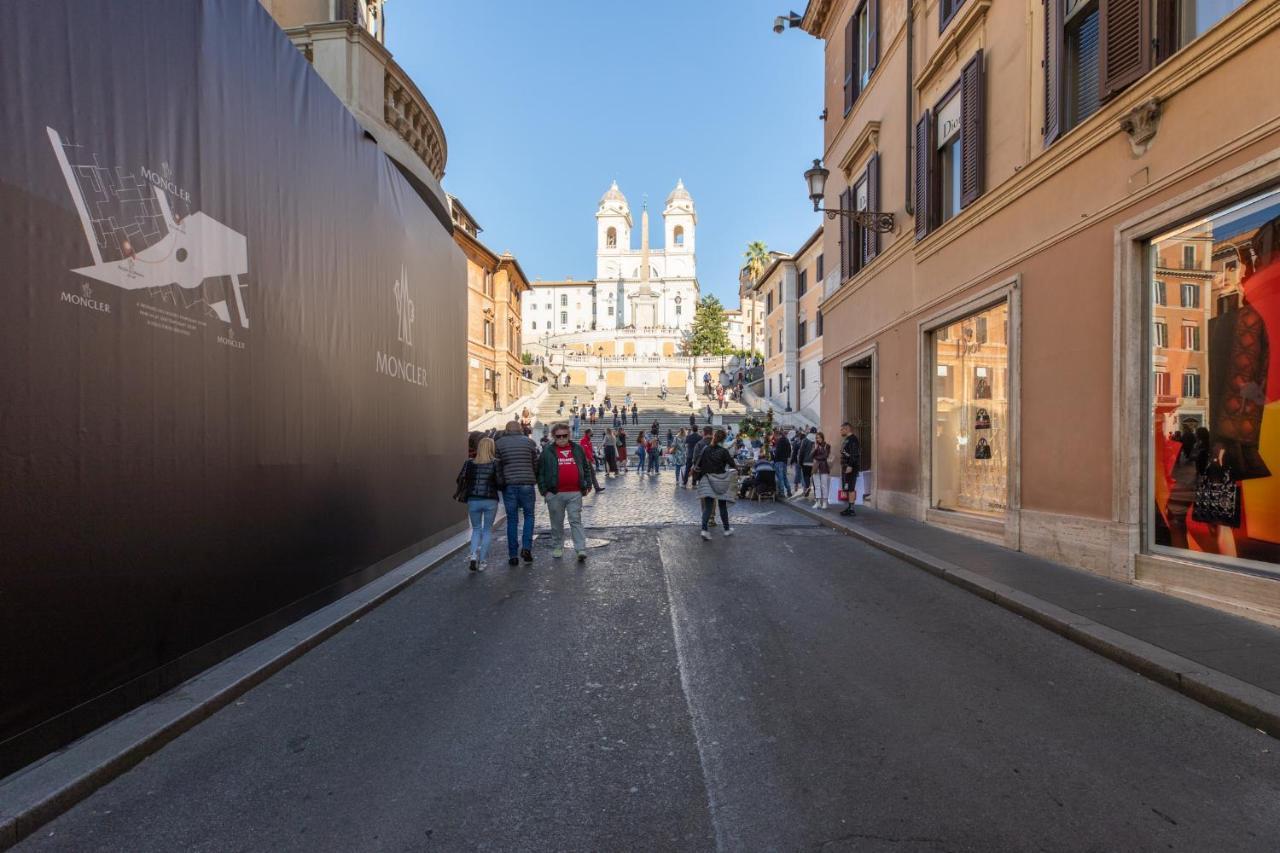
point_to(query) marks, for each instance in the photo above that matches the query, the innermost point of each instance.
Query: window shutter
(873, 34)
(870, 235)
(849, 35)
(844, 244)
(1126, 40)
(972, 121)
(1053, 28)
(1166, 29)
(853, 235)
(924, 183)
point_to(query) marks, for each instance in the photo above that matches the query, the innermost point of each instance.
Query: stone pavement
(785, 689)
(1199, 642)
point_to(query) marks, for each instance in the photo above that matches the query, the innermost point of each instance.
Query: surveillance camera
(779, 24)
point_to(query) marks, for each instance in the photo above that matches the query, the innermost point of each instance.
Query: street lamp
(873, 220)
(788, 392)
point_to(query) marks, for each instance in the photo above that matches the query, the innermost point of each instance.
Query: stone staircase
(671, 413)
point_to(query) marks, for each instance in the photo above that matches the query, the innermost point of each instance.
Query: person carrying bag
(717, 480)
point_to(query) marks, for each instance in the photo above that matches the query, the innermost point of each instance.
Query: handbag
(461, 485)
(1217, 498)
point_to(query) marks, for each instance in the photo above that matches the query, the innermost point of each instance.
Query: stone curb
(40, 792)
(1226, 694)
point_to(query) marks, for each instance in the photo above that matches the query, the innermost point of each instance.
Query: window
(1161, 383)
(1188, 257)
(1190, 295)
(950, 151)
(488, 283)
(859, 246)
(782, 347)
(970, 408)
(818, 322)
(534, 325)
(980, 324)
(800, 334)
(820, 271)
(611, 238)
(946, 11)
(488, 333)
(1191, 384)
(1081, 41)
(802, 282)
(679, 235)
(564, 300)
(861, 50)
(1187, 20)
(488, 380)
(564, 318)
(610, 310)
(678, 307)
(768, 302)
(768, 347)
(1160, 336)
(1191, 338)
(1159, 294)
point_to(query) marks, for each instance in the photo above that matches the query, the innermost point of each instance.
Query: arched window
(611, 238)
(679, 235)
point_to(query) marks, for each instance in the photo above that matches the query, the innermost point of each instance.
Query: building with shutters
(790, 292)
(1075, 316)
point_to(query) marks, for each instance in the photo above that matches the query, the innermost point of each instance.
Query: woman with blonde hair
(480, 483)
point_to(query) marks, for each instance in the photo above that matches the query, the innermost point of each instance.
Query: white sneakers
(728, 532)
(706, 535)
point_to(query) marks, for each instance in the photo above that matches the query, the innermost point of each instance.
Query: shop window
(1190, 296)
(1213, 466)
(861, 50)
(1191, 384)
(1159, 294)
(950, 151)
(970, 406)
(1160, 335)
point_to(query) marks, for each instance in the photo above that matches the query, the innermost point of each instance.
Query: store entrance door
(860, 412)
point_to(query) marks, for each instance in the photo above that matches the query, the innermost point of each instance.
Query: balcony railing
(407, 112)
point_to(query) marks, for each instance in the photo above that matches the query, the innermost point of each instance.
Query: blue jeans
(517, 499)
(679, 472)
(482, 513)
(780, 471)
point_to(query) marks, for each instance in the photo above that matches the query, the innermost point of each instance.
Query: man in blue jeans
(519, 457)
(781, 458)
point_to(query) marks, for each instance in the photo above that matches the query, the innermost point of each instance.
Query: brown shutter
(924, 182)
(849, 64)
(853, 235)
(1053, 28)
(972, 120)
(873, 34)
(870, 235)
(1125, 42)
(1166, 29)
(844, 244)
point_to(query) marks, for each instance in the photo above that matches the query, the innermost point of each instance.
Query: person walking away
(564, 478)
(821, 458)
(616, 423)
(679, 455)
(850, 458)
(635, 415)
(518, 457)
(655, 428)
(622, 450)
(781, 457)
(716, 483)
(691, 441)
(483, 483)
(804, 462)
(641, 449)
(693, 421)
(655, 452)
(589, 450)
(610, 453)
(671, 437)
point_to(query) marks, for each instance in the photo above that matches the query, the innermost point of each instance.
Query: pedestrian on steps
(716, 482)
(564, 479)
(481, 481)
(518, 457)
(635, 415)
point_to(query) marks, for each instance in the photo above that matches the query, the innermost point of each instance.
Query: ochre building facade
(1069, 343)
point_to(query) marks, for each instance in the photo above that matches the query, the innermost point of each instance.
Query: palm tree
(757, 258)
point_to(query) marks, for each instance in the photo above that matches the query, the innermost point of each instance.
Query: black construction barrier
(232, 377)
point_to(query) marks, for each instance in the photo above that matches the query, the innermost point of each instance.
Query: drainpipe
(911, 127)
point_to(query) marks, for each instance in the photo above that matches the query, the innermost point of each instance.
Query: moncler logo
(404, 309)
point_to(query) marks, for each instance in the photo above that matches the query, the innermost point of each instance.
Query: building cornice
(868, 140)
(815, 17)
(972, 16)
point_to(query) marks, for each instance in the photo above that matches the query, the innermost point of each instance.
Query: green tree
(710, 334)
(756, 257)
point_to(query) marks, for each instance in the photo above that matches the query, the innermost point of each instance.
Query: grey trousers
(557, 505)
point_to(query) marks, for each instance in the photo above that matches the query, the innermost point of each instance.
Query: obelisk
(644, 305)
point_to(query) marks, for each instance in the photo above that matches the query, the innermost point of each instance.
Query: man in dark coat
(850, 460)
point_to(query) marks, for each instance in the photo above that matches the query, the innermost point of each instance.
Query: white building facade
(609, 301)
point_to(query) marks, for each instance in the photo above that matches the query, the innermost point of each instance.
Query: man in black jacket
(691, 442)
(850, 459)
(519, 457)
(781, 458)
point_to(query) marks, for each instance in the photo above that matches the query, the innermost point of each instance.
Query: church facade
(642, 289)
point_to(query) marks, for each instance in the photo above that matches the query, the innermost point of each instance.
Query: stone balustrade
(407, 112)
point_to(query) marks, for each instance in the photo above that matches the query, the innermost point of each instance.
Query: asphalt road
(786, 689)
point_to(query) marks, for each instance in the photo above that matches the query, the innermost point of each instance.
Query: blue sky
(544, 103)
